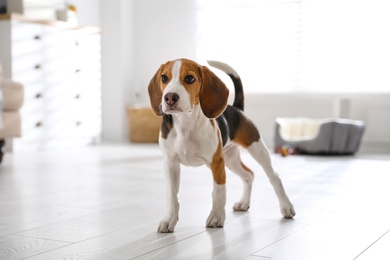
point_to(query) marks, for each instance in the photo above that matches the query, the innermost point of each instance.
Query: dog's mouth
(172, 109)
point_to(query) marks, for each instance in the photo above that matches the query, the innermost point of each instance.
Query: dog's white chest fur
(193, 139)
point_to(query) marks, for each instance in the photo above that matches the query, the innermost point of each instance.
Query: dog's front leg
(172, 175)
(217, 215)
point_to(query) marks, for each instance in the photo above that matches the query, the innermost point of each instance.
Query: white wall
(164, 30)
(116, 30)
(88, 11)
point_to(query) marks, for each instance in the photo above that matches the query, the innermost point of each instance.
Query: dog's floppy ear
(214, 94)
(155, 93)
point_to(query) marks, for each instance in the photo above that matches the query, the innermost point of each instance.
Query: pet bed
(319, 136)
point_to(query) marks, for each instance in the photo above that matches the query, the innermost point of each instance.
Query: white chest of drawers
(60, 68)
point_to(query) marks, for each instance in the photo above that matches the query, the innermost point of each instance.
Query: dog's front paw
(216, 219)
(241, 206)
(167, 226)
(287, 210)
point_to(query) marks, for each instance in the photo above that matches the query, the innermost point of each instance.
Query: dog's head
(181, 84)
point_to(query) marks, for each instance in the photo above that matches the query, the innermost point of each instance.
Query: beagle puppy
(198, 127)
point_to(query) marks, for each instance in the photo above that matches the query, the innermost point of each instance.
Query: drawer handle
(38, 124)
(78, 123)
(77, 96)
(37, 37)
(39, 95)
(77, 71)
(38, 67)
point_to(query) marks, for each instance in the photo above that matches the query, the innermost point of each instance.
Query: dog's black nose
(171, 98)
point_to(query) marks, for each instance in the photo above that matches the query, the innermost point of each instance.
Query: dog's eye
(189, 79)
(164, 78)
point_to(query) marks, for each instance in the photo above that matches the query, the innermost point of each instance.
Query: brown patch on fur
(156, 87)
(213, 95)
(218, 164)
(247, 133)
(190, 68)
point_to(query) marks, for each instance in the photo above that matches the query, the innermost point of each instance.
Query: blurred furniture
(59, 66)
(12, 101)
(319, 136)
(38, 9)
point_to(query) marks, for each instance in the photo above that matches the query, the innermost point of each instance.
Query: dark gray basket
(335, 136)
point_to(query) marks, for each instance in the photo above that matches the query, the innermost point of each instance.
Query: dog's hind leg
(234, 163)
(260, 153)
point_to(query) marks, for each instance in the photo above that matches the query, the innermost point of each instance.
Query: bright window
(300, 46)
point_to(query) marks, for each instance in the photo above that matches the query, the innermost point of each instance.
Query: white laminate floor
(105, 202)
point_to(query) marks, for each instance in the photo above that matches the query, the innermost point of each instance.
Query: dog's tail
(239, 92)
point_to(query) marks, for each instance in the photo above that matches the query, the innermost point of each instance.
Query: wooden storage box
(144, 125)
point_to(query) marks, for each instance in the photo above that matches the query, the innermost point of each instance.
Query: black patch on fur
(232, 117)
(239, 92)
(166, 125)
(223, 128)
